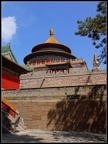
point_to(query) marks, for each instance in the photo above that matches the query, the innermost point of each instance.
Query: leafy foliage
(95, 28)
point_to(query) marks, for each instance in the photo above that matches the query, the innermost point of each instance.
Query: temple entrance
(58, 68)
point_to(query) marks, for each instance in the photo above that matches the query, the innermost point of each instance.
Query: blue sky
(26, 24)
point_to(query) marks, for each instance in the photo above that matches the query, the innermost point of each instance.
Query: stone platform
(42, 136)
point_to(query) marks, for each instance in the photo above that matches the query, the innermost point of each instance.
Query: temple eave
(52, 52)
(50, 44)
(60, 63)
(77, 62)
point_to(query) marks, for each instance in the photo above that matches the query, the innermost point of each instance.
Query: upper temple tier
(51, 54)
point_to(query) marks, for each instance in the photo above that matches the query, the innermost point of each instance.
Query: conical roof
(50, 47)
(51, 42)
(51, 39)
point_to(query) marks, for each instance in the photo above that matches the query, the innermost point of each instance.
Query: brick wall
(38, 80)
(77, 108)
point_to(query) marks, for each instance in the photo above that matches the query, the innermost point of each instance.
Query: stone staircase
(19, 125)
(12, 122)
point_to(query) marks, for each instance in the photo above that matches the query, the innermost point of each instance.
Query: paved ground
(40, 136)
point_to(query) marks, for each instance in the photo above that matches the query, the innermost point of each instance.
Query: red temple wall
(10, 82)
(38, 61)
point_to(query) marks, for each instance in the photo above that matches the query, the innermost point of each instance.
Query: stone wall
(76, 108)
(39, 80)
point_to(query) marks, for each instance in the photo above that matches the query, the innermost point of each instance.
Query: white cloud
(8, 28)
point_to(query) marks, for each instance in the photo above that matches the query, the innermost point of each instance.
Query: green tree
(95, 28)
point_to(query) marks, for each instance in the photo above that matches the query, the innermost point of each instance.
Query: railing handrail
(9, 105)
(12, 120)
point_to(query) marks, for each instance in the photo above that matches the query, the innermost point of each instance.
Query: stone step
(19, 128)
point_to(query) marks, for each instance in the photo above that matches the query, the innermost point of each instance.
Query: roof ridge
(7, 49)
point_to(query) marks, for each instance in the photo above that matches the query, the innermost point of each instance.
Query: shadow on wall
(79, 114)
(97, 91)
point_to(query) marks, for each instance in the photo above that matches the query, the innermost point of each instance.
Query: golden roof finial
(51, 32)
(51, 38)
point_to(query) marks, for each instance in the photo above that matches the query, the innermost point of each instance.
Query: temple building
(53, 56)
(54, 90)
(11, 70)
